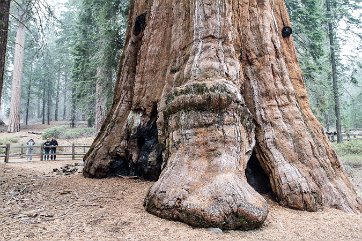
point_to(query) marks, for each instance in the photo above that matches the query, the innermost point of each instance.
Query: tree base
(225, 201)
(204, 182)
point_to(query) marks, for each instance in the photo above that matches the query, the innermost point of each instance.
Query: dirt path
(37, 204)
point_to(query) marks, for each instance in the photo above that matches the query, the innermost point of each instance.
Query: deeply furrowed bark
(304, 171)
(202, 84)
(14, 117)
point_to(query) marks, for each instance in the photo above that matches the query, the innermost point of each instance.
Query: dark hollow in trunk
(140, 24)
(148, 165)
(142, 157)
(256, 176)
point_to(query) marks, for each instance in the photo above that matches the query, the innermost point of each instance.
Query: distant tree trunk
(65, 96)
(327, 124)
(90, 119)
(73, 106)
(14, 118)
(44, 102)
(38, 108)
(101, 98)
(213, 92)
(337, 105)
(57, 98)
(91, 114)
(4, 22)
(48, 102)
(28, 97)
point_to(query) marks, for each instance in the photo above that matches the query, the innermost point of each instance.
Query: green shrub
(55, 132)
(65, 132)
(349, 147)
(72, 133)
(8, 140)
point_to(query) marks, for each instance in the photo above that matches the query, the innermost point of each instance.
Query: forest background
(67, 66)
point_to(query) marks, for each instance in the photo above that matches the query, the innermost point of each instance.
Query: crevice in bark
(148, 165)
(140, 24)
(256, 176)
(141, 154)
(119, 167)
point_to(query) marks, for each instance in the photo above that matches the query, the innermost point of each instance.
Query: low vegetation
(65, 132)
(8, 140)
(350, 152)
(353, 147)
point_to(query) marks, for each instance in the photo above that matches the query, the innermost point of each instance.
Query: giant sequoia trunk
(210, 90)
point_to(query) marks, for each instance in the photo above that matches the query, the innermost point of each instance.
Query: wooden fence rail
(20, 151)
(6, 150)
(346, 136)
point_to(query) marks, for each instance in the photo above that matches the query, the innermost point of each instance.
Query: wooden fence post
(41, 152)
(73, 151)
(7, 153)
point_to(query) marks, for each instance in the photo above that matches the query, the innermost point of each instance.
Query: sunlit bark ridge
(204, 87)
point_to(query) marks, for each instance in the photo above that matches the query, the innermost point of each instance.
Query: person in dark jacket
(46, 146)
(53, 149)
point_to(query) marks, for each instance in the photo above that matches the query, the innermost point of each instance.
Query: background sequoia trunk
(211, 90)
(4, 23)
(14, 116)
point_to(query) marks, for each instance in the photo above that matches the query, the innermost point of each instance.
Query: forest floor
(37, 203)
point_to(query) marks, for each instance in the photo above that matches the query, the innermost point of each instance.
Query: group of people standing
(50, 149)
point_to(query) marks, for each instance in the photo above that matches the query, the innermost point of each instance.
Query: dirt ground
(38, 204)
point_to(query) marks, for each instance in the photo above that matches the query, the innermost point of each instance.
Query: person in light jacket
(29, 149)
